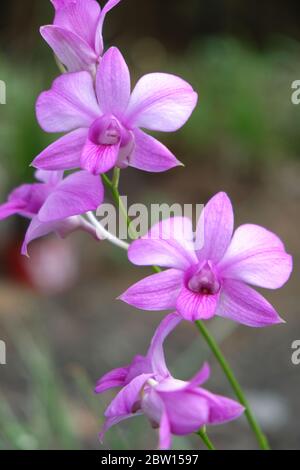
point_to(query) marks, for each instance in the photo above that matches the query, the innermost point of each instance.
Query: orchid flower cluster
(103, 121)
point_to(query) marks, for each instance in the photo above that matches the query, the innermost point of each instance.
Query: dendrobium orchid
(54, 204)
(174, 406)
(208, 280)
(76, 34)
(103, 125)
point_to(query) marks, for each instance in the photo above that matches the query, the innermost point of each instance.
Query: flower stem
(104, 234)
(113, 186)
(203, 434)
(261, 438)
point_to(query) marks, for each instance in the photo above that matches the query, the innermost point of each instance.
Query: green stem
(261, 438)
(203, 434)
(113, 186)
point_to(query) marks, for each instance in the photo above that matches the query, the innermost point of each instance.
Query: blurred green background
(57, 314)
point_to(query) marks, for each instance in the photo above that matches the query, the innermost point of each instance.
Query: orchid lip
(203, 280)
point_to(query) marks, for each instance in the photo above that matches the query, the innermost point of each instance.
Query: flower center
(204, 281)
(105, 131)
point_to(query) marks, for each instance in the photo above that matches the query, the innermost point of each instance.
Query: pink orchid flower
(103, 126)
(174, 406)
(76, 34)
(54, 204)
(211, 280)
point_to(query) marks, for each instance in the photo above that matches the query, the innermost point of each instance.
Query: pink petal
(77, 194)
(63, 154)
(221, 409)
(70, 104)
(187, 412)
(156, 292)
(257, 256)
(193, 306)
(99, 38)
(51, 178)
(139, 365)
(201, 377)
(99, 159)
(29, 198)
(10, 208)
(164, 432)
(124, 402)
(114, 378)
(151, 155)
(216, 221)
(161, 102)
(71, 50)
(61, 228)
(242, 304)
(109, 422)
(168, 243)
(36, 230)
(81, 17)
(113, 83)
(156, 352)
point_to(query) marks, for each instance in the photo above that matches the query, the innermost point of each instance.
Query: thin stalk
(114, 189)
(203, 434)
(104, 234)
(261, 438)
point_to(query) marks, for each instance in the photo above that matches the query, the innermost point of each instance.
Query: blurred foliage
(20, 136)
(46, 421)
(245, 110)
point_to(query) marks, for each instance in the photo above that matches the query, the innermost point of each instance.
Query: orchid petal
(216, 221)
(36, 230)
(127, 398)
(164, 432)
(70, 103)
(49, 177)
(258, 257)
(99, 158)
(156, 292)
(187, 411)
(109, 422)
(195, 306)
(71, 50)
(113, 83)
(161, 102)
(168, 243)
(99, 38)
(114, 378)
(64, 153)
(151, 155)
(156, 352)
(10, 208)
(201, 377)
(30, 198)
(81, 17)
(77, 194)
(221, 409)
(241, 303)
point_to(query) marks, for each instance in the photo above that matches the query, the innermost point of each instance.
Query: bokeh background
(62, 327)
